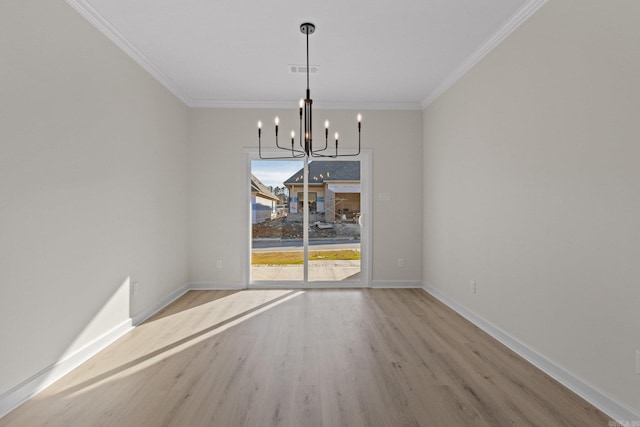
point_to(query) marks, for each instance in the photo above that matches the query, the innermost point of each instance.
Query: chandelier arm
(326, 144)
(285, 148)
(315, 153)
(277, 144)
(298, 156)
(326, 141)
(294, 153)
(352, 154)
(331, 156)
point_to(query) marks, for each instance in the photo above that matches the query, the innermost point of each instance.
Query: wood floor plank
(370, 357)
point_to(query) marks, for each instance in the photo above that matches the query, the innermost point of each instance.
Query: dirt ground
(280, 229)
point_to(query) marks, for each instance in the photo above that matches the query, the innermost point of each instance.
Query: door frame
(366, 207)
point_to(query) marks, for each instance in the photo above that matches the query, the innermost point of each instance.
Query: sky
(273, 173)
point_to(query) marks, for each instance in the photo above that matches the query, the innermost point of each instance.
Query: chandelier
(306, 136)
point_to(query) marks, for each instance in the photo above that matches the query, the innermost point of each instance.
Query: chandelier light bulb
(336, 136)
(293, 134)
(277, 121)
(326, 124)
(301, 103)
(359, 117)
(259, 124)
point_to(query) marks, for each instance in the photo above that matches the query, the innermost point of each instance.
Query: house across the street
(263, 202)
(334, 190)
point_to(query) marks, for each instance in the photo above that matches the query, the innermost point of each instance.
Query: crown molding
(368, 105)
(317, 104)
(209, 103)
(104, 26)
(512, 23)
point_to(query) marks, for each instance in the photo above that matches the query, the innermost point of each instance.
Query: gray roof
(321, 171)
(258, 187)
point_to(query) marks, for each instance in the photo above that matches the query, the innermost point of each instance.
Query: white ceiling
(371, 53)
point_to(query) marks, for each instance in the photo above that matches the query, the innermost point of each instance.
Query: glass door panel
(334, 234)
(276, 228)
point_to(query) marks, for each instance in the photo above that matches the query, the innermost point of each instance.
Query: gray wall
(217, 170)
(92, 187)
(531, 188)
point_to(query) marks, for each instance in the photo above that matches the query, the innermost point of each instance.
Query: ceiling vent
(313, 69)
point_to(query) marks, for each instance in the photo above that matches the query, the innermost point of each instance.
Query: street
(293, 245)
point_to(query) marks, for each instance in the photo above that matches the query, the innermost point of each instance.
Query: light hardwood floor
(306, 358)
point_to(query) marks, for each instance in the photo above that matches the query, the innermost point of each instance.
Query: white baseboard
(226, 286)
(396, 284)
(600, 400)
(216, 286)
(22, 392)
(141, 317)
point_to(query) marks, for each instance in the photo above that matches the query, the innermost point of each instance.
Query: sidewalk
(338, 270)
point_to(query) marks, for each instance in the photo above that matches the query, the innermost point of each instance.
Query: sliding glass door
(317, 240)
